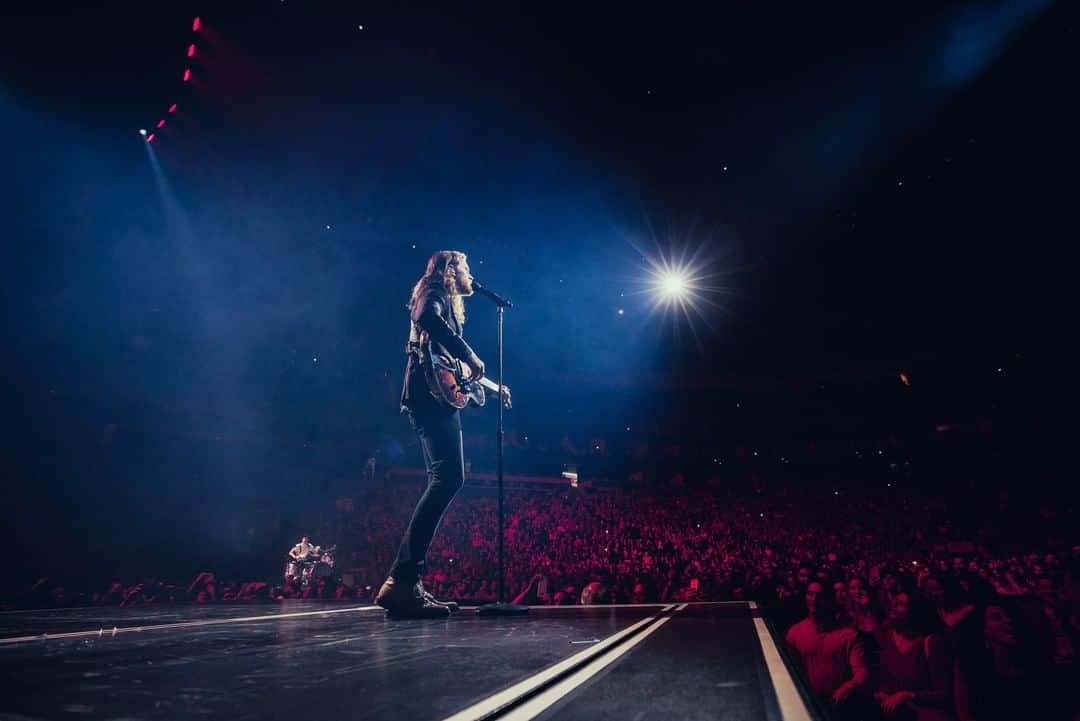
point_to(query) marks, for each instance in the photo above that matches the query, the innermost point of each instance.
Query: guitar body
(448, 380)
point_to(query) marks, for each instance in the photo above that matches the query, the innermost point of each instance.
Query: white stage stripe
(519, 689)
(549, 697)
(115, 630)
(792, 706)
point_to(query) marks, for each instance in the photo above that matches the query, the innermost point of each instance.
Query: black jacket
(432, 317)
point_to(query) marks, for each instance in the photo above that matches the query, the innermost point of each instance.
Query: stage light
(191, 50)
(142, 132)
(187, 74)
(161, 124)
(677, 281)
(673, 284)
(150, 138)
(684, 285)
(195, 25)
(172, 108)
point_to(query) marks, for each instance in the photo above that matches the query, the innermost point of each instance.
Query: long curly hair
(441, 273)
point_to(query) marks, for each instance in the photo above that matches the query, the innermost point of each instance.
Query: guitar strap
(416, 348)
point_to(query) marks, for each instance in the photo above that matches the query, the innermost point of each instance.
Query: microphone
(498, 299)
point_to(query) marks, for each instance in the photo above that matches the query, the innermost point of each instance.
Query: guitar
(449, 380)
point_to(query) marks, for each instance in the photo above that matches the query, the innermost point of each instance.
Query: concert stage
(307, 660)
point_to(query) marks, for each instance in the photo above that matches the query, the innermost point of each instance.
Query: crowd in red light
(849, 566)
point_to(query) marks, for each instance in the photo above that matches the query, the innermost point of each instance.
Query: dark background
(205, 334)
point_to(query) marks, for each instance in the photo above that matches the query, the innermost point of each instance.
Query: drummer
(302, 550)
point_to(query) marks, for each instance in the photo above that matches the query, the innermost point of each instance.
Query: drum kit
(317, 564)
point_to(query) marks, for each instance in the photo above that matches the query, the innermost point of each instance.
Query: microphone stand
(501, 607)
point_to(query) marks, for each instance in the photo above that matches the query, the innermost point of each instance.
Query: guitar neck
(502, 391)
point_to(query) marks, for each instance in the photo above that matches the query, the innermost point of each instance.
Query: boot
(403, 600)
(427, 596)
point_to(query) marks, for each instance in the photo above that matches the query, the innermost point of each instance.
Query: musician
(302, 550)
(436, 314)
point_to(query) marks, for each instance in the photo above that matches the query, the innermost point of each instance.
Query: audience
(830, 652)
(884, 619)
(915, 672)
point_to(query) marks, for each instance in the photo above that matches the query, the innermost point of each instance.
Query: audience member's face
(900, 608)
(841, 592)
(812, 592)
(997, 626)
(857, 593)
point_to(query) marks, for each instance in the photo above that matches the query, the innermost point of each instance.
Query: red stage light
(187, 74)
(191, 50)
(195, 25)
(172, 108)
(150, 138)
(161, 124)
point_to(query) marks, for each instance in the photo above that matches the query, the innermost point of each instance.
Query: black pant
(440, 440)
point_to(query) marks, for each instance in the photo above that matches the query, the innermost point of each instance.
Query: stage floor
(314, 660)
